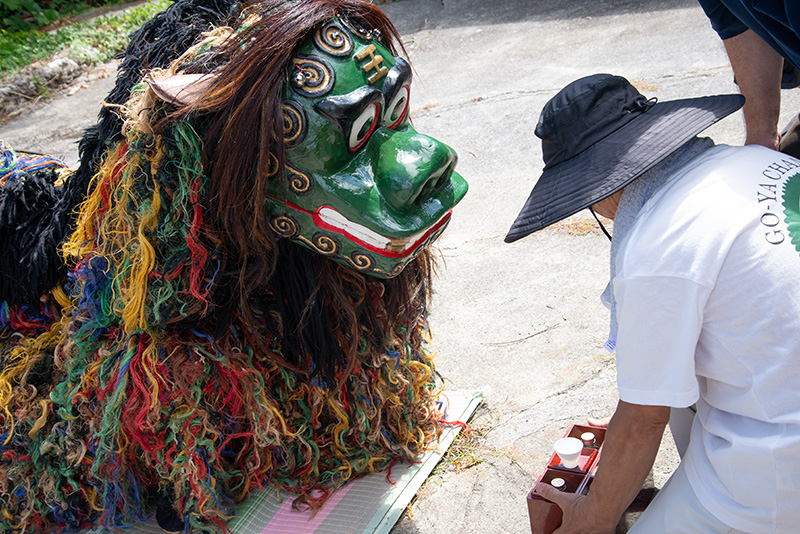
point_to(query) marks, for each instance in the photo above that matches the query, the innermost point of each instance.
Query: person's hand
(577, 516)
(601, 422)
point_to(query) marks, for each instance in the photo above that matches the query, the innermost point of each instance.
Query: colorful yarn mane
(179, 365)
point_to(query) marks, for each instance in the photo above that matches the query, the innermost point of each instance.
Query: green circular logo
(791, 207)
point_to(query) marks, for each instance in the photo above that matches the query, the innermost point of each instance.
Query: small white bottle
(589, 440)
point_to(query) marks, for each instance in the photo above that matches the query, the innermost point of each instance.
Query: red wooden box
(589, 455)
(544, 515)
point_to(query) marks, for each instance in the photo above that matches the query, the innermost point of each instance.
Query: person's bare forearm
(631, 444)
(758, 69)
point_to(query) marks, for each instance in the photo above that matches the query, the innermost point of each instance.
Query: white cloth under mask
(636, 195)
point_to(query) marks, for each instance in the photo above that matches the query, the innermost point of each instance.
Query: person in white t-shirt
(705, 305)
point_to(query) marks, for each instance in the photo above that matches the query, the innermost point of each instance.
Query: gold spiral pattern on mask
(332, 40)
(361, 261)
(357, 29)
(284, 226)
(299, 182)
(272, 169)
(294, 124)
(316, 78)
(325, 244)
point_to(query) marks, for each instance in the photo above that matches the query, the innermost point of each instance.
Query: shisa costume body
(247, 281)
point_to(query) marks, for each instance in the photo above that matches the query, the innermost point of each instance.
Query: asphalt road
(520, 322)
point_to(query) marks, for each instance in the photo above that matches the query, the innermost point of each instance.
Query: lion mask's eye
(397, 109)
(397, 93)
(357, 114)
(363, 126)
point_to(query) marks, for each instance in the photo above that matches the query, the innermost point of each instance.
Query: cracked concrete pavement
(521, 322)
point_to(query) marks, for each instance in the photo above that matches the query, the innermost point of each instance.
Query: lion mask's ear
(180, 89)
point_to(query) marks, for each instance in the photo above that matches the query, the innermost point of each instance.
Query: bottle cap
(559, 483)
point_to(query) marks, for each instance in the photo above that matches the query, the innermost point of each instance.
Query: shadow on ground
(411, 16)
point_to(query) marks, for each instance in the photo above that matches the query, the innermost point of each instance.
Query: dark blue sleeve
(722, 20)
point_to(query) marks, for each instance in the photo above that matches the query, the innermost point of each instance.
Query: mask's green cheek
(322, 149)
(393, 198)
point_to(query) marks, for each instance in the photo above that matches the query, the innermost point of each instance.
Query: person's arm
(629, 449)
(758, 69)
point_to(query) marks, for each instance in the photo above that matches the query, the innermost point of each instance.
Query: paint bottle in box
(589, 440)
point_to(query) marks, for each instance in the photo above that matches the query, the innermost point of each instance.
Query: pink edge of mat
(286, 517)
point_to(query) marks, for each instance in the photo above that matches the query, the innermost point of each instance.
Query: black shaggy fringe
(306, 334)
(46, 213)
(28, 264)
(159, 41)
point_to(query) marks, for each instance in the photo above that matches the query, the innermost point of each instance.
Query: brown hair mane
(243, 110)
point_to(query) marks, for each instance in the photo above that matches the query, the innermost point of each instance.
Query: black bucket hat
(598, 134)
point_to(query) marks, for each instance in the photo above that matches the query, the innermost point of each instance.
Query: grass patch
(107, 35)
(466, 451)
(36, 14)
(580, 226)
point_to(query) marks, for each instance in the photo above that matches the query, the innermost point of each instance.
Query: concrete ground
(520, 322)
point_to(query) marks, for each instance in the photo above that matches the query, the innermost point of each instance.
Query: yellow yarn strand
(45, 405)
(21, 359)
(133, 314)
(88, 211)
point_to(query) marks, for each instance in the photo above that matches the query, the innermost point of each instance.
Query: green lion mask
(362, 186)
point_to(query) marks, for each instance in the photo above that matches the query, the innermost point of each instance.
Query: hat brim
(616, 160)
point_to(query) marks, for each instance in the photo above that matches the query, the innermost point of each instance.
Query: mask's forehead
(337, 58)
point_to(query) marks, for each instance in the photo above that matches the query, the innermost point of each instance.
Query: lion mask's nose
(410, 167)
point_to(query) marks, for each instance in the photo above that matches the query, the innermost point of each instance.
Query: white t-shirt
(708, 306)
